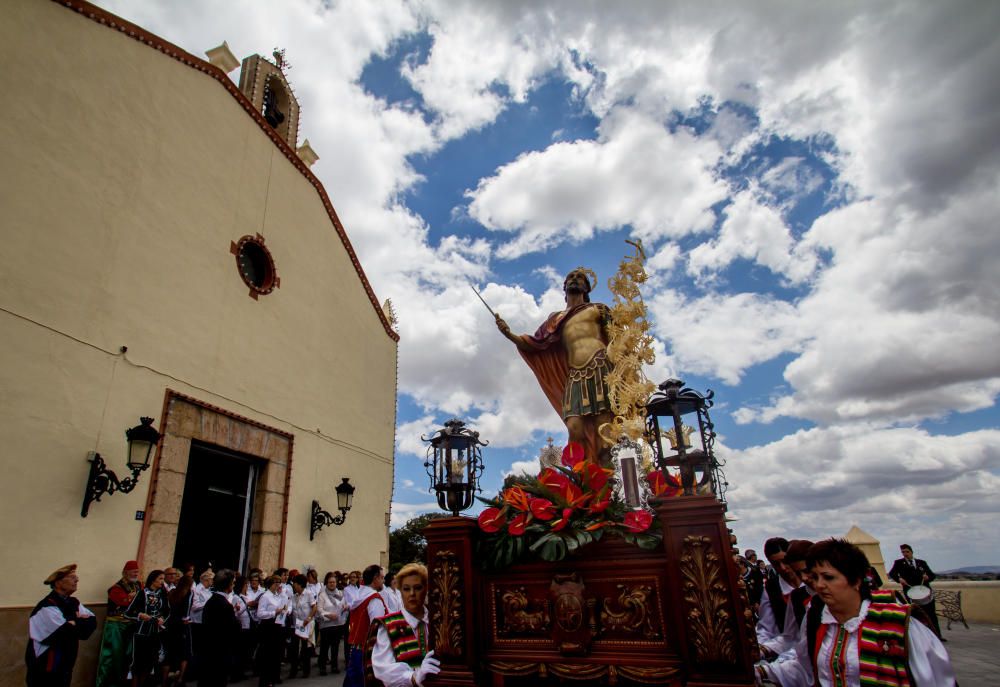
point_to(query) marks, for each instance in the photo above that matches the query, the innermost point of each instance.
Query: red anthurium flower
(572, 454)
(517, 524)
(601, 502)
(637, 520)
(562, 521)
(552, 479)
(594, 476)
(560, 485)
(491, 520)
(542, 509)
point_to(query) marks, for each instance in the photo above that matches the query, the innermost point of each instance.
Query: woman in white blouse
(400, 657)
(272, 608)
(332, 621)
(829, 648)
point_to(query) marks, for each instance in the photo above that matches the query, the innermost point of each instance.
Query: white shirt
(391, 672)
(768, 634)
(239, 605)
(332, 609)
(927, 657)
(375, 609)
(199, 597)
(45, 622)
(251, 596)
(393, 599)
(314, 589)
(302, 607)
(272, 605)
(350, 592)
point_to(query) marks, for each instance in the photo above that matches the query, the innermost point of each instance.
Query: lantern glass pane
(138, 453)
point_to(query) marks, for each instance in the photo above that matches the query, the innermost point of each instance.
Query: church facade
(169, 254)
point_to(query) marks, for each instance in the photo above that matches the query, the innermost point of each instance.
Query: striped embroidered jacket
(883, 660)
(406, 646)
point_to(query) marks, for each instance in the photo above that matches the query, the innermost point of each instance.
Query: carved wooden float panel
(611, 614)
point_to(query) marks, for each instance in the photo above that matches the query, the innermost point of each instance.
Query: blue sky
(815, 187)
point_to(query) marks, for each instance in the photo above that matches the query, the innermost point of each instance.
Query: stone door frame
(185, 419)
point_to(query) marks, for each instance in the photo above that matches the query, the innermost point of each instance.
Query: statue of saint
(568, 357)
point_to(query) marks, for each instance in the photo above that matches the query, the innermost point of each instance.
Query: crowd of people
(167, 629)
(824, 618)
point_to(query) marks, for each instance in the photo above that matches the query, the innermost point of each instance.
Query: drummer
(914, 572)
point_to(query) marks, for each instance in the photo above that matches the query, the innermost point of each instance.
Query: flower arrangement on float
(564, 508)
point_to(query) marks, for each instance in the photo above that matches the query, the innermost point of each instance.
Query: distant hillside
(973, 570)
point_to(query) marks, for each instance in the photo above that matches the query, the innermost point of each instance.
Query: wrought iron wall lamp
(321, 519)
(141, 440)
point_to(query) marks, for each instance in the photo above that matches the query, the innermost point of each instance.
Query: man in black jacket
(754, 579)
(910, 572)
(56, 626)
(220, 630)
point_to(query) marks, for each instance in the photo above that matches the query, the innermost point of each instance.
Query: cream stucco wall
(125, 176)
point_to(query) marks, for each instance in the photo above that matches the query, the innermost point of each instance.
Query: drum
(920, 594)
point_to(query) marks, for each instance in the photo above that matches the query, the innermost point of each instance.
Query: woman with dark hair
(220, 632)
(149, 610)
(849, 640)
(241, 657)
(272, 608)
(178, 637)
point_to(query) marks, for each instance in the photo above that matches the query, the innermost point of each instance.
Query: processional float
(612, 566)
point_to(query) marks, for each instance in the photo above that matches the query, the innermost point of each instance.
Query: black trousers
(330, 639)
(270, 649)
(300, 656)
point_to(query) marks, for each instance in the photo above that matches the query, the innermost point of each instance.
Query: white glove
(429, 666)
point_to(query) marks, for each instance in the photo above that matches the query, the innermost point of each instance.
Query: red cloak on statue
(547, 360)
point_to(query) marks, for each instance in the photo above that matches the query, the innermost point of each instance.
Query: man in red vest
(366, 605)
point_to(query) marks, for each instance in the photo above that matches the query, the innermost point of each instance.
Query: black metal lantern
(454, 464)
(321, 518)
(141, 440)
(664, 418)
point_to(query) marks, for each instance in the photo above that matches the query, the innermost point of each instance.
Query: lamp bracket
(321, 519)
(102, 481)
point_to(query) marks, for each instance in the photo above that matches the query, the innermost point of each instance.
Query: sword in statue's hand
(475, 291)
(501, 325)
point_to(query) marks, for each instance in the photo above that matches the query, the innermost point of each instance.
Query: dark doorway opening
(216, 510)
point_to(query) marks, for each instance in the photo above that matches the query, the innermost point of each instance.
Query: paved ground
(975, 653)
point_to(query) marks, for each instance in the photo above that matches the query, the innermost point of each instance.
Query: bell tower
(263, 81)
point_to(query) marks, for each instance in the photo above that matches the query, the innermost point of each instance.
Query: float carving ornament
(584, 671)
(631, 611)
(706, 596)
(517, 617)
(446, 602)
